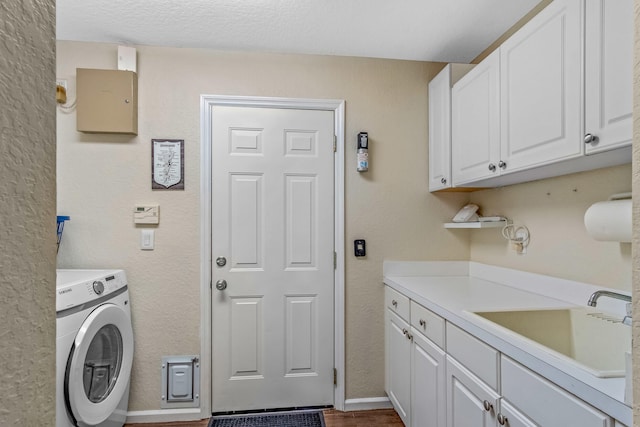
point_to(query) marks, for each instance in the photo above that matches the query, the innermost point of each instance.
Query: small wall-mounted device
(146, 214)
(359, 248)
(363, 152)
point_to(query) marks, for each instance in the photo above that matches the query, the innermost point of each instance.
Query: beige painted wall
(27, 211)
(553, 211)
(101, 177)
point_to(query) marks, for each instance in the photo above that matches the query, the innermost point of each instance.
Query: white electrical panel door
(608, 74)
(273, 250)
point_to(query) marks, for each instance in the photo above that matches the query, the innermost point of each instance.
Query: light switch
(146, 240)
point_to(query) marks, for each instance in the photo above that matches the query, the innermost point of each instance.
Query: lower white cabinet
(469, 383)
(545, 403)
(415, 378)
(398, 375)
(428, 383)
(470, 402)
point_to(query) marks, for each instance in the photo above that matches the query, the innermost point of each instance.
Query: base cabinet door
(428, 383)
(470, 402)
(545, 403)
(398, 353)
(510, 416)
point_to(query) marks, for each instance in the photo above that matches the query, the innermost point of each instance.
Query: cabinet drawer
(545, 403)
(477, 356)
(397, 303)
(428, 323)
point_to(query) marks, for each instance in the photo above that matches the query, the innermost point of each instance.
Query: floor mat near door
(298, 419)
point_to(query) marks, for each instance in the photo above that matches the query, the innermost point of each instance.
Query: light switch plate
(146, 240)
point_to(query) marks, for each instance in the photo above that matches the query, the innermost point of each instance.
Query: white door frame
(207, 102)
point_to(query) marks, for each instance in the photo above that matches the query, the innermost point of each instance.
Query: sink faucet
(593, 300)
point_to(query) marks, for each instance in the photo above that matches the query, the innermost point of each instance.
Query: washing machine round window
(102, 363)
(103, 349)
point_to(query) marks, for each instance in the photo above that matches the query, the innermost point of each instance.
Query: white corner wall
(27, 213)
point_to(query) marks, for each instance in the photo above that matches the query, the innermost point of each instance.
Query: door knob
(221, 261)
(221, 285)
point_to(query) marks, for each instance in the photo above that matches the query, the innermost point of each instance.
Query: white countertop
(455, 289)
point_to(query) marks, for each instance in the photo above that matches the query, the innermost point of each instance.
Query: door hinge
(335, 143)
(335, 260)
(335, 376)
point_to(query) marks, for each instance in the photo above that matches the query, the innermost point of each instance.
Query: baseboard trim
(367, 403)
(195, 414)
(164, 415)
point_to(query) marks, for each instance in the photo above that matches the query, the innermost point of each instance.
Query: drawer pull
(502, 420)
(423, 323)
(394, 303)
(487, 406)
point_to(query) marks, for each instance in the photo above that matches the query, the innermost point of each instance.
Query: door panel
(273, 219)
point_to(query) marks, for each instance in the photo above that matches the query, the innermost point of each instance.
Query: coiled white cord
(518, 236)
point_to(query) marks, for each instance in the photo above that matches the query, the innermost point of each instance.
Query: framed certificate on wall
(167, 164)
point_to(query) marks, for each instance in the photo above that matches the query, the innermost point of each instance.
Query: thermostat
(146, 214)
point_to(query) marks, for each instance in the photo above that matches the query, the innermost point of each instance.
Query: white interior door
(273, 223)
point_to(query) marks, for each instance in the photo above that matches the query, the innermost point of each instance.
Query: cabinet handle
(502, 420)
(443, 180)
(423, 323)
(590, 138)
(394, 303)
(409, 337)
(487, 406)
(502, 165)
(405, 332)
(492, 167)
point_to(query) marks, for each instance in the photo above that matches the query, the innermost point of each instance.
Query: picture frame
(167, 164)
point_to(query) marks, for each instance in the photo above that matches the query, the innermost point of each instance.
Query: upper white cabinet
(475, 114)
(608, 74)
(540, 88)
(440, 125)
(555, 92)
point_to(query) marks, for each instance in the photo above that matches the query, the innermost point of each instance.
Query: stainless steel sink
(594, 341)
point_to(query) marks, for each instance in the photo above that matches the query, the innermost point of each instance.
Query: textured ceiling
(427, 30)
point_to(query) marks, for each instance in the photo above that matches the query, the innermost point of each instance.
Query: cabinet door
(541, 87)
(440, 130)
(608, 73)
(511, 417)
(398, 366)
(475, 129)
(428, 383)
(545, 403)
(470, 402)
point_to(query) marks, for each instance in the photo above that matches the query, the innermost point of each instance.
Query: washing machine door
(99, 365)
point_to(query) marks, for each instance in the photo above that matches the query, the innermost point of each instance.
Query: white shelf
(476, 224)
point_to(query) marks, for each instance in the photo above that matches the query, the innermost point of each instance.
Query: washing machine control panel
(76, 287)
(98, 287)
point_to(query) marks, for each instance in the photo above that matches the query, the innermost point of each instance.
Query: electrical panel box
(107, 101)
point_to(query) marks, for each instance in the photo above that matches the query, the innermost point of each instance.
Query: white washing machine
(94, 348)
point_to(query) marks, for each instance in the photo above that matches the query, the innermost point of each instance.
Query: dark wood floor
(332, 418)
